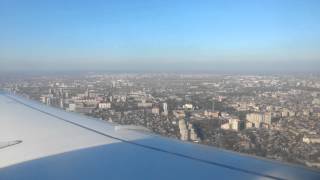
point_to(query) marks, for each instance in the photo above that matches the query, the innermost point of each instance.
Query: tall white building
(193, 135)
(184, 133)
(61, 104)
(165, 108)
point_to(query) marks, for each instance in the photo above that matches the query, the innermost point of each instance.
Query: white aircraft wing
(41, 142)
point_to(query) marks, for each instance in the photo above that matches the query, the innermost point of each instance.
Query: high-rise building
(48, 101)
(212, 108)
(193, 135)
(233, 124)
(257, 119)
(184, 133)
(165, 109)
(61, 104)
(66, 95)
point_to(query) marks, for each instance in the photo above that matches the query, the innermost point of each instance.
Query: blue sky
(230, 35)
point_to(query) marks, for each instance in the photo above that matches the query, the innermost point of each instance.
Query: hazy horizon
(160, 36)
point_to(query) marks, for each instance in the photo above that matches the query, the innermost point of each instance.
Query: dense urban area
(272, 116)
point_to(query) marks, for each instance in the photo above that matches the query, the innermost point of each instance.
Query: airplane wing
(41, 142)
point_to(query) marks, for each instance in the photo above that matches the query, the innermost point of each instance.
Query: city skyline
(211, 36)
(274, 116)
